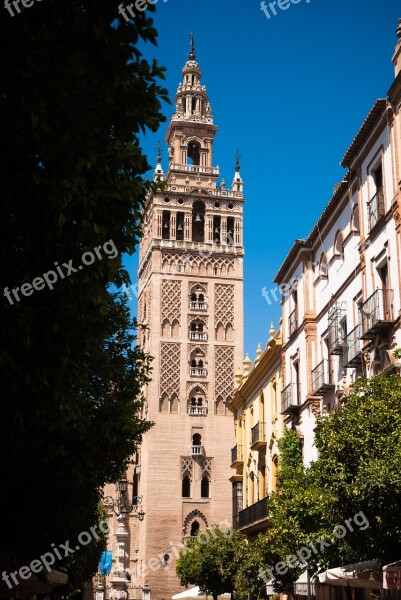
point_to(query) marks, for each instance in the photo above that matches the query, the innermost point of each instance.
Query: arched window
(198, 221)
(339, 245)
(174, 404)
(194, 153)
(355, 219)
(220, 333)
(166, 225)
(205, 487)
(175, 329)
(164, 407)
(220, 406)
(186, 487)
(194, 528)
(229, 333)
(323, 267)
(196, 439)
(166, 328)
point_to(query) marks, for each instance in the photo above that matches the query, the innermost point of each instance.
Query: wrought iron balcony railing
(289, 397)
(376, 208)
(321, 379)
(252, 514)
(293, 322)
(259, 436)
(377, 313)
(352, 356)
(237, 456)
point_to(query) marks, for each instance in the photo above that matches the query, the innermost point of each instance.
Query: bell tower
(191, 302)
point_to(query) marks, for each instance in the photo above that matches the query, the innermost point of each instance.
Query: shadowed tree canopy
(75, 96)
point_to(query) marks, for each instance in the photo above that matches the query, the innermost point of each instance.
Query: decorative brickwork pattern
(186, 467)
(207, 468)
(170, 369)
(171, 300)
(224, 372)
(224, 304)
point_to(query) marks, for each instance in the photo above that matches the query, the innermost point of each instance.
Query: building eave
(364, 132)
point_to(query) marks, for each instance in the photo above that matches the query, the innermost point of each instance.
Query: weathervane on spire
(192, 55)
(159, 149)
(237, 157)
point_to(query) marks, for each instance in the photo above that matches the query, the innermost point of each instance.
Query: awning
(301, 585)
(359, 575)
(195, 593)
(392, 576)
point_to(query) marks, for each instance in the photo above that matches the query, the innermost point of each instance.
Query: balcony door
(385, 285)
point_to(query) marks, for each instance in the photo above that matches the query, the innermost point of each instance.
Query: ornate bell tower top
(192, 212)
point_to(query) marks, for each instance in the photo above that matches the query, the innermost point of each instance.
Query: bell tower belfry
(191, 301)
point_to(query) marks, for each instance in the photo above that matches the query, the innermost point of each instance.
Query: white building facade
(341, 286)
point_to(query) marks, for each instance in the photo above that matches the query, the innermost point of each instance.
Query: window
(194, 153)
(205, 487)
(166, 225)
(194, 528)
(186, 487)
(198, 222)
(230, 231)
(180, 226)
(339, 245)
(323, 268)
(274, 473)
(355, 219)
(216, 229)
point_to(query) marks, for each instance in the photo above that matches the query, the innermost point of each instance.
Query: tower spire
(192, 54)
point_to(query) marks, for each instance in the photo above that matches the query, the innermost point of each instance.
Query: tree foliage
(356, 478)
(211, 561)
(76, 94)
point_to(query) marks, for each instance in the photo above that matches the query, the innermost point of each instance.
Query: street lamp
(122, 504)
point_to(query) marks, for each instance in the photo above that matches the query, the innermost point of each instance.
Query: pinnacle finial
(192, 55)
(159, 149)
(237, 157)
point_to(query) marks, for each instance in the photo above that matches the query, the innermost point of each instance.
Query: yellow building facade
(258, 427)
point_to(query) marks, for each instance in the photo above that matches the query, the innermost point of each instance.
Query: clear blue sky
(290, 93)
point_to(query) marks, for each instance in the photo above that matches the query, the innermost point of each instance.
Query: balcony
(196, 450)
(352, 356)
(195, 372)
(237, 457)
(259, 436)
(377, 314)
(253, 514)
(337, 328)
(198, 336)
(321, 379)
(199, 411)
(292, 322)
(198, 306)
(289, 398)
(376, 209)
